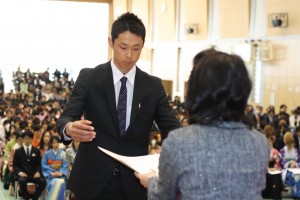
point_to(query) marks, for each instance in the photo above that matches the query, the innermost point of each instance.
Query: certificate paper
(140, 164)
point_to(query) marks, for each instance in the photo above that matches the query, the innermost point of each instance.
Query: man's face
(127, 48)
(20, 141)
(27, 141)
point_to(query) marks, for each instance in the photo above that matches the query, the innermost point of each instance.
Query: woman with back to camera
(219, 155)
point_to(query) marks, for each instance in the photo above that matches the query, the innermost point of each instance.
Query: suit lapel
(138, 89)
(110, 90)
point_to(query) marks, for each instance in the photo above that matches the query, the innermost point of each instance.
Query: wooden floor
(5, 196)
(4, 193)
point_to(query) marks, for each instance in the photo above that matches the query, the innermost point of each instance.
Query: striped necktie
(122, 106)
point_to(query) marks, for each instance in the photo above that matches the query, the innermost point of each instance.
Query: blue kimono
(52, 162)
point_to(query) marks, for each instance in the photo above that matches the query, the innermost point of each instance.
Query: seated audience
(27, 168)
(219, 155)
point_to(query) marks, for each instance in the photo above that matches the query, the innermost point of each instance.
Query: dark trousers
(40, 185)
(113, 190)
(273, 187)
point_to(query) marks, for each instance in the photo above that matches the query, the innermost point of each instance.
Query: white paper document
(140, 164)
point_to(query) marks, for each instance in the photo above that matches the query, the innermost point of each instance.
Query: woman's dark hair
(42, 143)
(18, 134)
(128, 22)
(23, 124)
(52, 139)
(218, 88)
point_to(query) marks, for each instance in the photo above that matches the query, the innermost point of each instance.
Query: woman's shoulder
(184, 132)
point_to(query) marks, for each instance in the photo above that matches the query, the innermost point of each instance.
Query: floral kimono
(54, 162)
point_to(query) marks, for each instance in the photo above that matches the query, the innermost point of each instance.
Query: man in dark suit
(94, 115)
(27, 167)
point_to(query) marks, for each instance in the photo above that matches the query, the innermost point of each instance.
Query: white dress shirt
(117, 75)
(25, 147)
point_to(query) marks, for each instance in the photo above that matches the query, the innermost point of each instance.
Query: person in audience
(55, 166)
(258, 116)
(45, 142)
(269, 117)
(27, 168)
(8, 116)
(10, 143)
(219, 155)
(96, 97)
(71, 153)
(65, 74)
(297, 138)
(283, 113)
(274, 162)
(250, 114)
(23, 86)
(1, 86)
(294, 119)
(184, 121)
(19, 138)
(6, 129)
(281, 129)
(274, 183)
(56, 74)
(289, 155)
(7, 152)
(37, 131)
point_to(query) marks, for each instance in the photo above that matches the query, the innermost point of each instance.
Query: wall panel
(234, 18)
(164, 20)
(142, 9)
(194, 12)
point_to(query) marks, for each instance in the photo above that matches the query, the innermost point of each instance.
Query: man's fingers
(83, 125)
(82, 131)
(83, 135)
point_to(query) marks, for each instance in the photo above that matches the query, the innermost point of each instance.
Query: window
(51, 34)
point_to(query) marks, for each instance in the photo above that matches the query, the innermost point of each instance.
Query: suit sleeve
(76, 104)
(165, 116)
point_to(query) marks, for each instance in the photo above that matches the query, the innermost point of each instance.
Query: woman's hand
(56, 174)
(145, 177)
(292, 164)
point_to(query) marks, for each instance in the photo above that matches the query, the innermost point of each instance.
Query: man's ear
(110, 42)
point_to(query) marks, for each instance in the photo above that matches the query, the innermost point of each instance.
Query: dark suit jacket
(94, 96)
(296, 142)
(29, 165)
